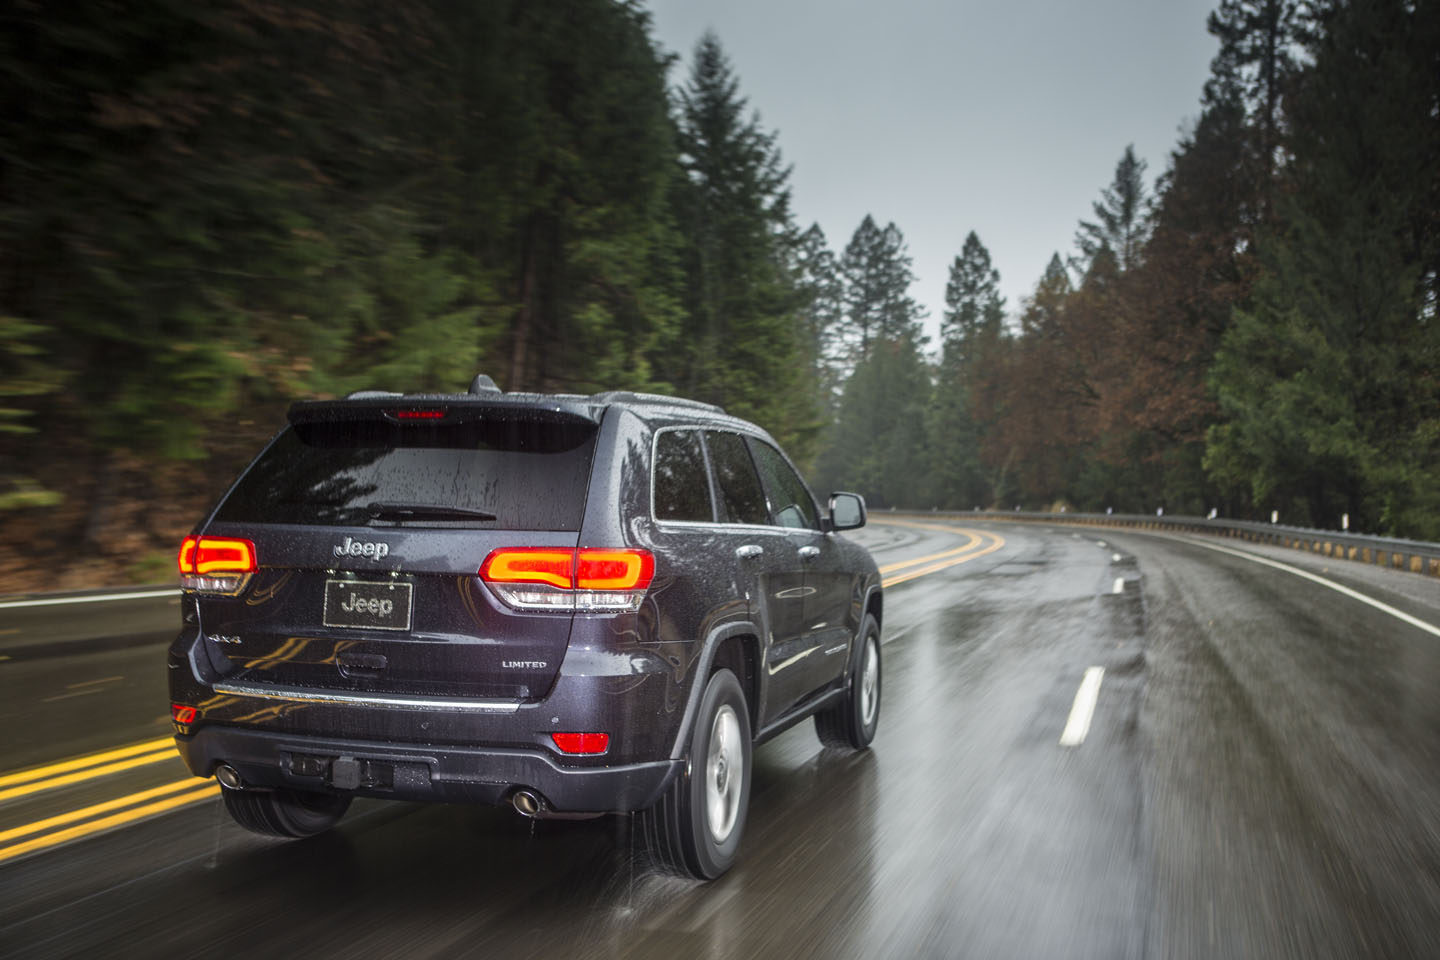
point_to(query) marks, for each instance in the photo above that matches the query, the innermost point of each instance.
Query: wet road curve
(1259, 776)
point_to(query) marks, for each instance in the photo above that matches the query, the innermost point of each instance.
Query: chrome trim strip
(305, 695)
(790, 661)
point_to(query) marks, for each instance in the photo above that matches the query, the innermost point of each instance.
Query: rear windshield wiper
(425, 511)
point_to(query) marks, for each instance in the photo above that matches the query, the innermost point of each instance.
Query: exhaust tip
(526, 803)
(229, 777)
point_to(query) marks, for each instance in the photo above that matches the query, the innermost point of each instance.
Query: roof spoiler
(436, 409)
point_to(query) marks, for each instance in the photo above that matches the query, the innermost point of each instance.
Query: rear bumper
(447, 774)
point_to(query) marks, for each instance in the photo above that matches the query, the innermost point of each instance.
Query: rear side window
(790, 501)
(531, 476)
(741, 499)
(682, 491)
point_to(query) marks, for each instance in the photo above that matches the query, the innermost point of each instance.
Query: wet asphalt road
(1261, 778)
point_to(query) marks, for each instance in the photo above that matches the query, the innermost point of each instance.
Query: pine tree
(876, 272)
(877, 443)
(1033, 399)
(1121, 218)
(970, 331)
(1327, 380)
(1041, 317)
(1255, 62)
(743, 340)
(817, 280)
(974, 307)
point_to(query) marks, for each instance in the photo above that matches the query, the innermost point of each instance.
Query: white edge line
(1338, 588)
(1083, 709)
(144, 595)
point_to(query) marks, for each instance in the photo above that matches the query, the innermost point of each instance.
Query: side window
(741, 499)
(682, 491)
(789, 500)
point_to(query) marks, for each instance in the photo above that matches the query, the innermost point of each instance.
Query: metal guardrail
(1390, 552)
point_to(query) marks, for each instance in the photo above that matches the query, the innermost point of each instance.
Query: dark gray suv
(571, 604)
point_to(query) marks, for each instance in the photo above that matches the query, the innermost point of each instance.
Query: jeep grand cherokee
(570, 604)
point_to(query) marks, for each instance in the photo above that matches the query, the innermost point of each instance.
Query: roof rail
(629, 396)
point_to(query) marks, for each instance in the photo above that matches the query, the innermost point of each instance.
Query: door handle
(748, 552)
(809, 553)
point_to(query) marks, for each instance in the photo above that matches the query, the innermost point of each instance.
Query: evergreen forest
(210, 210)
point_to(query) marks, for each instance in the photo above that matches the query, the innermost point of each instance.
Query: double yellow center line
(975, 546)
(100, 816)
(84, 768)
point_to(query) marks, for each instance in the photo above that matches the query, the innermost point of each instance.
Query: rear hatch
(370, 522)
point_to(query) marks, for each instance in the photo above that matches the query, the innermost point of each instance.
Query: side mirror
(847, 511)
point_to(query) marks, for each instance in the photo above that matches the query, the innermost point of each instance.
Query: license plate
(368, 606)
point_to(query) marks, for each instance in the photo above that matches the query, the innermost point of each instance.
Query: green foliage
(817, 279)
(1327, 381)
(1121, 217)
(749, 339)
(876, 272)
(970, 334)
(208, 210)
(878, 442)
(209, 206)
(25, 372)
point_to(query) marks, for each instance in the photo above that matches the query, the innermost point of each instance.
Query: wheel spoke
(869, 683)
(724, 774)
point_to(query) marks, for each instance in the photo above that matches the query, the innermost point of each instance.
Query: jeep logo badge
(356, 548)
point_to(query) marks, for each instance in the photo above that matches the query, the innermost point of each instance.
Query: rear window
(531, 476)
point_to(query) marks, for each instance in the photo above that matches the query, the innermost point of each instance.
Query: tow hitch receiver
(345, 773)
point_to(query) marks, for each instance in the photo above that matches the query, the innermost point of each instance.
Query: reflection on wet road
(1259, 776)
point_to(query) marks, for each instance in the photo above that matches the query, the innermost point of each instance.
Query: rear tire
(285, 813)
(695, 828)
(852, 722)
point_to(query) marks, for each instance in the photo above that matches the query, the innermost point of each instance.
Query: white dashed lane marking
(1083, 708)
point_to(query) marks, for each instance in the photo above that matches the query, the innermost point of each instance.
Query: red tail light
(204, 555)
(530, 565)
(614, 569)
(182, 714)
(591, 580)
(417, 414)
(581, 742)
(216, 564)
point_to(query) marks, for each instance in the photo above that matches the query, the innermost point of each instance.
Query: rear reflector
(589, 743)
(182, 714)
(589, 580)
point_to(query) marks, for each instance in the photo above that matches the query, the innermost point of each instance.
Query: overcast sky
(945, 116)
